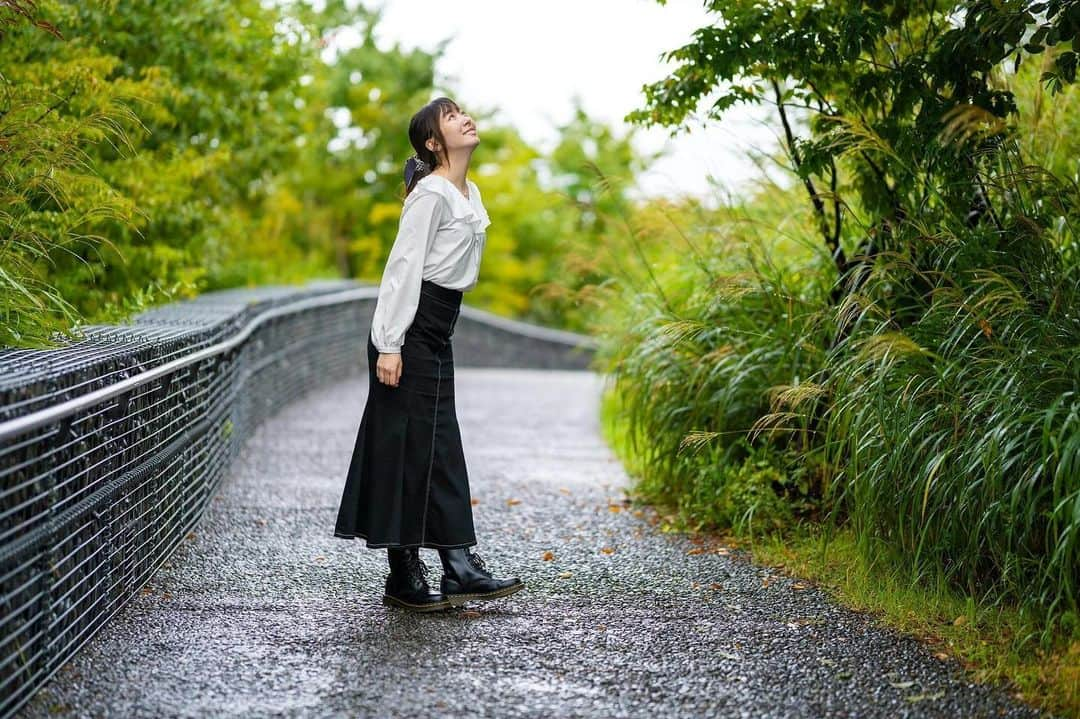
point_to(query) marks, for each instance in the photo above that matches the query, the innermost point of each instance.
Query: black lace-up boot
(407, 585)
(465, 577)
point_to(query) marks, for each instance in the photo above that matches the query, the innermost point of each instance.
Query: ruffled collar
(470, 209)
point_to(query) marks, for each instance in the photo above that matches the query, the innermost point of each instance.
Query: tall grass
(51, 194)
(943, 425)
(692, 362)
(958, 434)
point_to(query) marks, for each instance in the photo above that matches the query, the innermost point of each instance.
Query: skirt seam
(431, 460)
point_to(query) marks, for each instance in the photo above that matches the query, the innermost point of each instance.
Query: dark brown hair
(425, 124)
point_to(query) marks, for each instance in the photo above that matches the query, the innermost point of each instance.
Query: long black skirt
(407, 484)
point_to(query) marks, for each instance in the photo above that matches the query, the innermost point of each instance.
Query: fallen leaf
(639, 512)
(723, 550)
(565, 575)
(512, 502)
(319, 558)
(696, 550)
(548, 556)
(614, 508)
(190, 535)
(607, 550)
(797, 586)
(941, 655)
(716, 585)
(960, 620)
(475, 501)
(564, 490)
(806, 620)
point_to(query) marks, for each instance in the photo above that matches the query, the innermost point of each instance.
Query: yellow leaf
(548, 556)
(512, 502)
(607, 550)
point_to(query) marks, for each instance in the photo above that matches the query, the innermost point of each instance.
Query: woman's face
(459, 130)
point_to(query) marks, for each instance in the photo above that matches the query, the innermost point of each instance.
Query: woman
(407, 485)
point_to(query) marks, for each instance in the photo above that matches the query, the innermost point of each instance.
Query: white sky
(527, 60)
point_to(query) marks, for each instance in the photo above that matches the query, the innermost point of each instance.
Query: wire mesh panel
(111, 448)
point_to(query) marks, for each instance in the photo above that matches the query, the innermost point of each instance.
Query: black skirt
(407, 484)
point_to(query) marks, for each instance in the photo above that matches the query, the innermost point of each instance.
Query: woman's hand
(388, 368)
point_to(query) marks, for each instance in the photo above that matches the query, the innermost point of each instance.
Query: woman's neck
(456, 174)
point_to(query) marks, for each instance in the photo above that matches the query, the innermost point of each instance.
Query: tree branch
(819, 207)
(59, 102)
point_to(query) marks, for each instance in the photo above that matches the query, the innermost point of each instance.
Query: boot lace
(419, 566)
(477, 562)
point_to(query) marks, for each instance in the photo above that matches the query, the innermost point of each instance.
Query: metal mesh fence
(99, 486)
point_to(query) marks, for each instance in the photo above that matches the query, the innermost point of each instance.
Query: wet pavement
(262, 612)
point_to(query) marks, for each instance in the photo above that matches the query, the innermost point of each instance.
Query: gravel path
(262, 612)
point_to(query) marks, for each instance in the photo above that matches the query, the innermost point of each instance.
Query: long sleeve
(399, 289)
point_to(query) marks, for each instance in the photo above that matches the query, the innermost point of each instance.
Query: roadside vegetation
(870, 373)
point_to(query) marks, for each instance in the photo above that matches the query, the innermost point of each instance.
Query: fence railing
(112, 448)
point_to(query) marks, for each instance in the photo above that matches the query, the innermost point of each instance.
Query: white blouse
(440, 238)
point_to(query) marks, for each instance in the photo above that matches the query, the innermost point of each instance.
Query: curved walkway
(262, 612)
